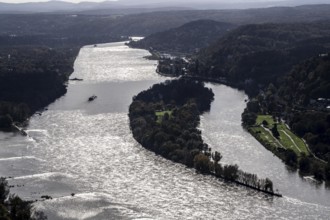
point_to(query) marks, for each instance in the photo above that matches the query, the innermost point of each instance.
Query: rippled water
(86, 148)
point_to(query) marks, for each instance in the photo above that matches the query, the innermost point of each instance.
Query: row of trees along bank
(30, 79)
(301, 100)
(13, 207)
(34, 72)
(164, 119)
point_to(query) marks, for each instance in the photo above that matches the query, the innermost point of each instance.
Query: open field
(161, 114)
(287, 139)
(266, 136)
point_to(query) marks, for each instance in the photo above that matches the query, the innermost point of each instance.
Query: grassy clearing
(265, 136)
(287, 139)
(161, 114)
(291, 140)
(267, 118)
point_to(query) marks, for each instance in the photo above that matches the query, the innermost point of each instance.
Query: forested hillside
(188, 38)
(301, 100)
(148, 23)
(307, 88)
(31, 78)
(37, 53)
(308, 81)
(255, 55)
(251, 56)
(268, 62)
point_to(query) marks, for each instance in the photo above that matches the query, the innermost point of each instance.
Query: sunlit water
(86, 148)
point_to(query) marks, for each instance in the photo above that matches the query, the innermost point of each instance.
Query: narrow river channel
(86, 148)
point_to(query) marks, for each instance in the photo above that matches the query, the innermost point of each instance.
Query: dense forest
(110, 24)
(272, 63)
(304, 97)
(173, 133)
(30, 79)
(301, 99)
(24, 39)
(253, 56)
(268, 62)
(35, 63)
(164, 119)
(37, 52)
(250, 56)
(186, 39)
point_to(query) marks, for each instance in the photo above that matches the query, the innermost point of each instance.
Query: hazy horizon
(158, 1)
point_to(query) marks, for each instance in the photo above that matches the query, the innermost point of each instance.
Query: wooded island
(164, 119)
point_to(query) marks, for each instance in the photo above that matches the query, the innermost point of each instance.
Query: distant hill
(187, 38)
(50, 6)
(91, 8)
(133, 6)
(149, 23)
(260, 54)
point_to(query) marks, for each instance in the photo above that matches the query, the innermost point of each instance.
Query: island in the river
(284, 70)
(165, 118)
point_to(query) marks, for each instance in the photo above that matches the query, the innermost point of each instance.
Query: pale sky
(23, 1)
(77, 1)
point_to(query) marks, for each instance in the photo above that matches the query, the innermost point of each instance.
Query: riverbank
(34, 76)
(31, 78)
(172, 65)
(277, 137)
(291, 149)
(166, 123)
(13, 207)
(100, 132)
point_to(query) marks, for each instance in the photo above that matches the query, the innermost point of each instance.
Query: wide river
(86, 148)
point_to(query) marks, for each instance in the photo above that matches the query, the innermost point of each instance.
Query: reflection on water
(86, 148)
(223, 132)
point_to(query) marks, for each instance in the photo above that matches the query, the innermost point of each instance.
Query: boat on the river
(76, 79)
(92, 98)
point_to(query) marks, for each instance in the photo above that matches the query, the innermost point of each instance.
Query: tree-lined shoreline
(271, 63)
(164, 119)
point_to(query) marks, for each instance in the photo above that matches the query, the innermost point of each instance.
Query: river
(86, 148)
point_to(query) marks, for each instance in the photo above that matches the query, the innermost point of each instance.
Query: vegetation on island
(64, 33)
(164, 119)
(289, 102)
(37, 52)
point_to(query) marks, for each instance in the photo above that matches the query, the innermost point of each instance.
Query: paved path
(271, 134)
(294, 143)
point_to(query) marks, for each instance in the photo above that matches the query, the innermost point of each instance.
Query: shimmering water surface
(86, 148)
